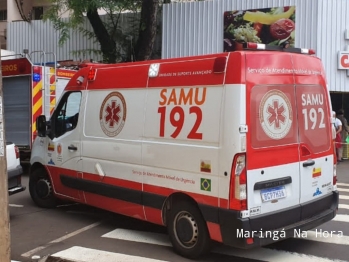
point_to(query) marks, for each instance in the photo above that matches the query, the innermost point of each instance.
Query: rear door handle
(309, 163)
(72, 148)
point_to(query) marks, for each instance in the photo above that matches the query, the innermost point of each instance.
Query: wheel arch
(38, 165)
(177, 196)
(41, 187)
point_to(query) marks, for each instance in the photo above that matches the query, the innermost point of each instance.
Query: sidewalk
(54, 259)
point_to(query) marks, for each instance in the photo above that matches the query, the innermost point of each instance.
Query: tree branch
(108, 45)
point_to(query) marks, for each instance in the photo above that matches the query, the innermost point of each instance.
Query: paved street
(86, 234)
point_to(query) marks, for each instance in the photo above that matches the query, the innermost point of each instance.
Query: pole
(5, 250)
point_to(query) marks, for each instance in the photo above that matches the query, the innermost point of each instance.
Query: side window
(65, 118)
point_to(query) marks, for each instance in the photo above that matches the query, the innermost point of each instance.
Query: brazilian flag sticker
(205, 184)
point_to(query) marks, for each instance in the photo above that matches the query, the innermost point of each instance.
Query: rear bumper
(277, 226)
(15, 190)
(14, 183)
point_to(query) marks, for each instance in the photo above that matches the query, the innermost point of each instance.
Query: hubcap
(186, 229)
(43, 188)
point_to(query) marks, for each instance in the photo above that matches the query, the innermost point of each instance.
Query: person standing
(338, 140)
(344, 132)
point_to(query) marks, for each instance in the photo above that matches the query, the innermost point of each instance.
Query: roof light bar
(256, 46)
(307, 51)
(284, 47)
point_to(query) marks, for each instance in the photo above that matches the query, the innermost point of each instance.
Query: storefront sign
(343, 60)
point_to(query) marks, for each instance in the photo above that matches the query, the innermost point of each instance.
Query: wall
(332, 23)
(197, 28)
(39, 35)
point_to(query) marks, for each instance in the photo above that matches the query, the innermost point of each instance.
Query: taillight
(17, 152)
(334, 175)
(238, 183)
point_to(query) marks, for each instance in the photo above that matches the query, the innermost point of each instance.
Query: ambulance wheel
(40, 188)
(187, 230)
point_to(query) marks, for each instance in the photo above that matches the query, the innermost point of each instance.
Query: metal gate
(17, 110)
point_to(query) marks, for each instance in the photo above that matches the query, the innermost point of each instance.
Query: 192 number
(313, 117)
(177, 117)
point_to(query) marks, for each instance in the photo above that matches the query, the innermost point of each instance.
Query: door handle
(309, 163)
(72, 148)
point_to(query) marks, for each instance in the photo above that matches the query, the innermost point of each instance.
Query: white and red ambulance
(233, 147)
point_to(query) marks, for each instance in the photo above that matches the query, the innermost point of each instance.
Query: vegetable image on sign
(282, 28)
(275, 114)
(112, 115)
(270, 26)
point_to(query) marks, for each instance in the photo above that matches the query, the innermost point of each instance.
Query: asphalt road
(89, 234)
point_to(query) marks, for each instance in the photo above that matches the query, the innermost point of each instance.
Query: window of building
(37, 12)
(3, 15)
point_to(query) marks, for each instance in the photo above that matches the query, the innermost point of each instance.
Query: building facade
(19, 10)
(194, 28)
(197, 28)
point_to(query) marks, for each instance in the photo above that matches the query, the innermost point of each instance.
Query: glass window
(3, 15)
(37, 13)
(65, 118)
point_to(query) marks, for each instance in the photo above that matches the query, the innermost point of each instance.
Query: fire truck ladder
(49, 70)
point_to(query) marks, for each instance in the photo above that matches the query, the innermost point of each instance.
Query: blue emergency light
(36, 77)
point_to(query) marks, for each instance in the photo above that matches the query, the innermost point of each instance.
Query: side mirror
(41, 125)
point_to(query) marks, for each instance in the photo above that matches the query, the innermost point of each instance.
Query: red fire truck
(29, 90)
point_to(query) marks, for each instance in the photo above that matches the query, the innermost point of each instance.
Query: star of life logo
(112, 115)
(275, 114)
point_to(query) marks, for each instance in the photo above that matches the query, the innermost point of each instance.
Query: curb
(55, 259)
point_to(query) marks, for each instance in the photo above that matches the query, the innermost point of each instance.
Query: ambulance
(233, 147)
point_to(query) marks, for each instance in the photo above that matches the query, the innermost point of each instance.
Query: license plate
(273, 193)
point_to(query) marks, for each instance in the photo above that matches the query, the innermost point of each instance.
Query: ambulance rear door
(284, 150)
(313, 110)
(273, 177)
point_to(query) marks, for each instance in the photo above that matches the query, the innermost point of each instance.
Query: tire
(40, 188)
(187, 230)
